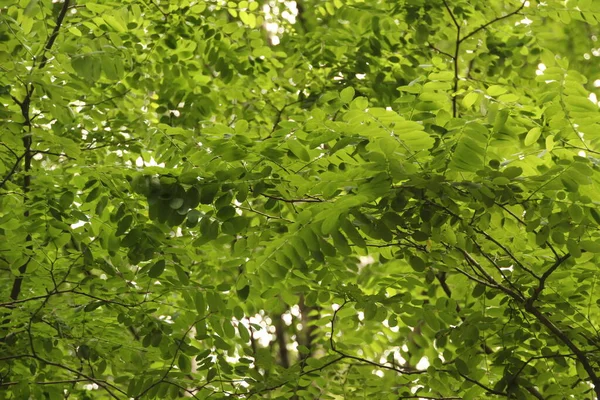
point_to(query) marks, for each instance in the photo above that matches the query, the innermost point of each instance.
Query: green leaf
(352, 233)
(176, 203)
(244, 334)
(532, 136)
(330, 223)
(591, 246)
(157, 269)
(208, 193)
(417, 263)
(200, 303)
(576, 213)
(496, 90)
(184, 363)
(66, 199)
(298, 150)
(347, 94)
(470, 99)
(182, 275)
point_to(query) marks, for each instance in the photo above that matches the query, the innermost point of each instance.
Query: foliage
(379, 198)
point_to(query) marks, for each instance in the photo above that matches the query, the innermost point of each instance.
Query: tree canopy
(310, 199)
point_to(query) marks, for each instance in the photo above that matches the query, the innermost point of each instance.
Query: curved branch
(54, 35)
(545, 277)
(494, 21)
(12, 170)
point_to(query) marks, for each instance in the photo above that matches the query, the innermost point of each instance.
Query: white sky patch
(286, 10)
(391, 328)
(366, 260)
(287, 319)
(414, 389)
(540, 69)
(525, 21)
(509, 268)
(78, 224)
(90, 386)
(263, 336)
(140, 162)
(166, 318)
(423, 363)
(295, 310)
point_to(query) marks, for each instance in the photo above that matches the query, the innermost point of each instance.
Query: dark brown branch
(311, 200)
(27, 142)
(475, 279)
(263, 214)
(284, 357)
(181, 341)
(494, 21)
(490, 238)
(516, 217)
(454, 59)
(165, 14)
(51, 153)
(441, 51)
(12, 170)
(545, 277)
(489, 278)
(65, 381)
(191, 392)
(8, 147)
(534, 392)
(481, 385)
(54, 35)
(579, 354)
(107, 99)
(497, 267)
(270, 388)
(101, 383)
(107, 145)
(458, 42)
(441, 277)
(363, 360)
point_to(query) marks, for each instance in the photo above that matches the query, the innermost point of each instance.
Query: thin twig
(545, 277)
(494, 21)
(54, 35)
(309, 200)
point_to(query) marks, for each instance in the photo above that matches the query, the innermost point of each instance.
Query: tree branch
(454, 59)
(293, 200)
(54, 35)
(494, 21)
(363, 360)
(545, 277)
(181, 341)
(12, 170)
(581, 356)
